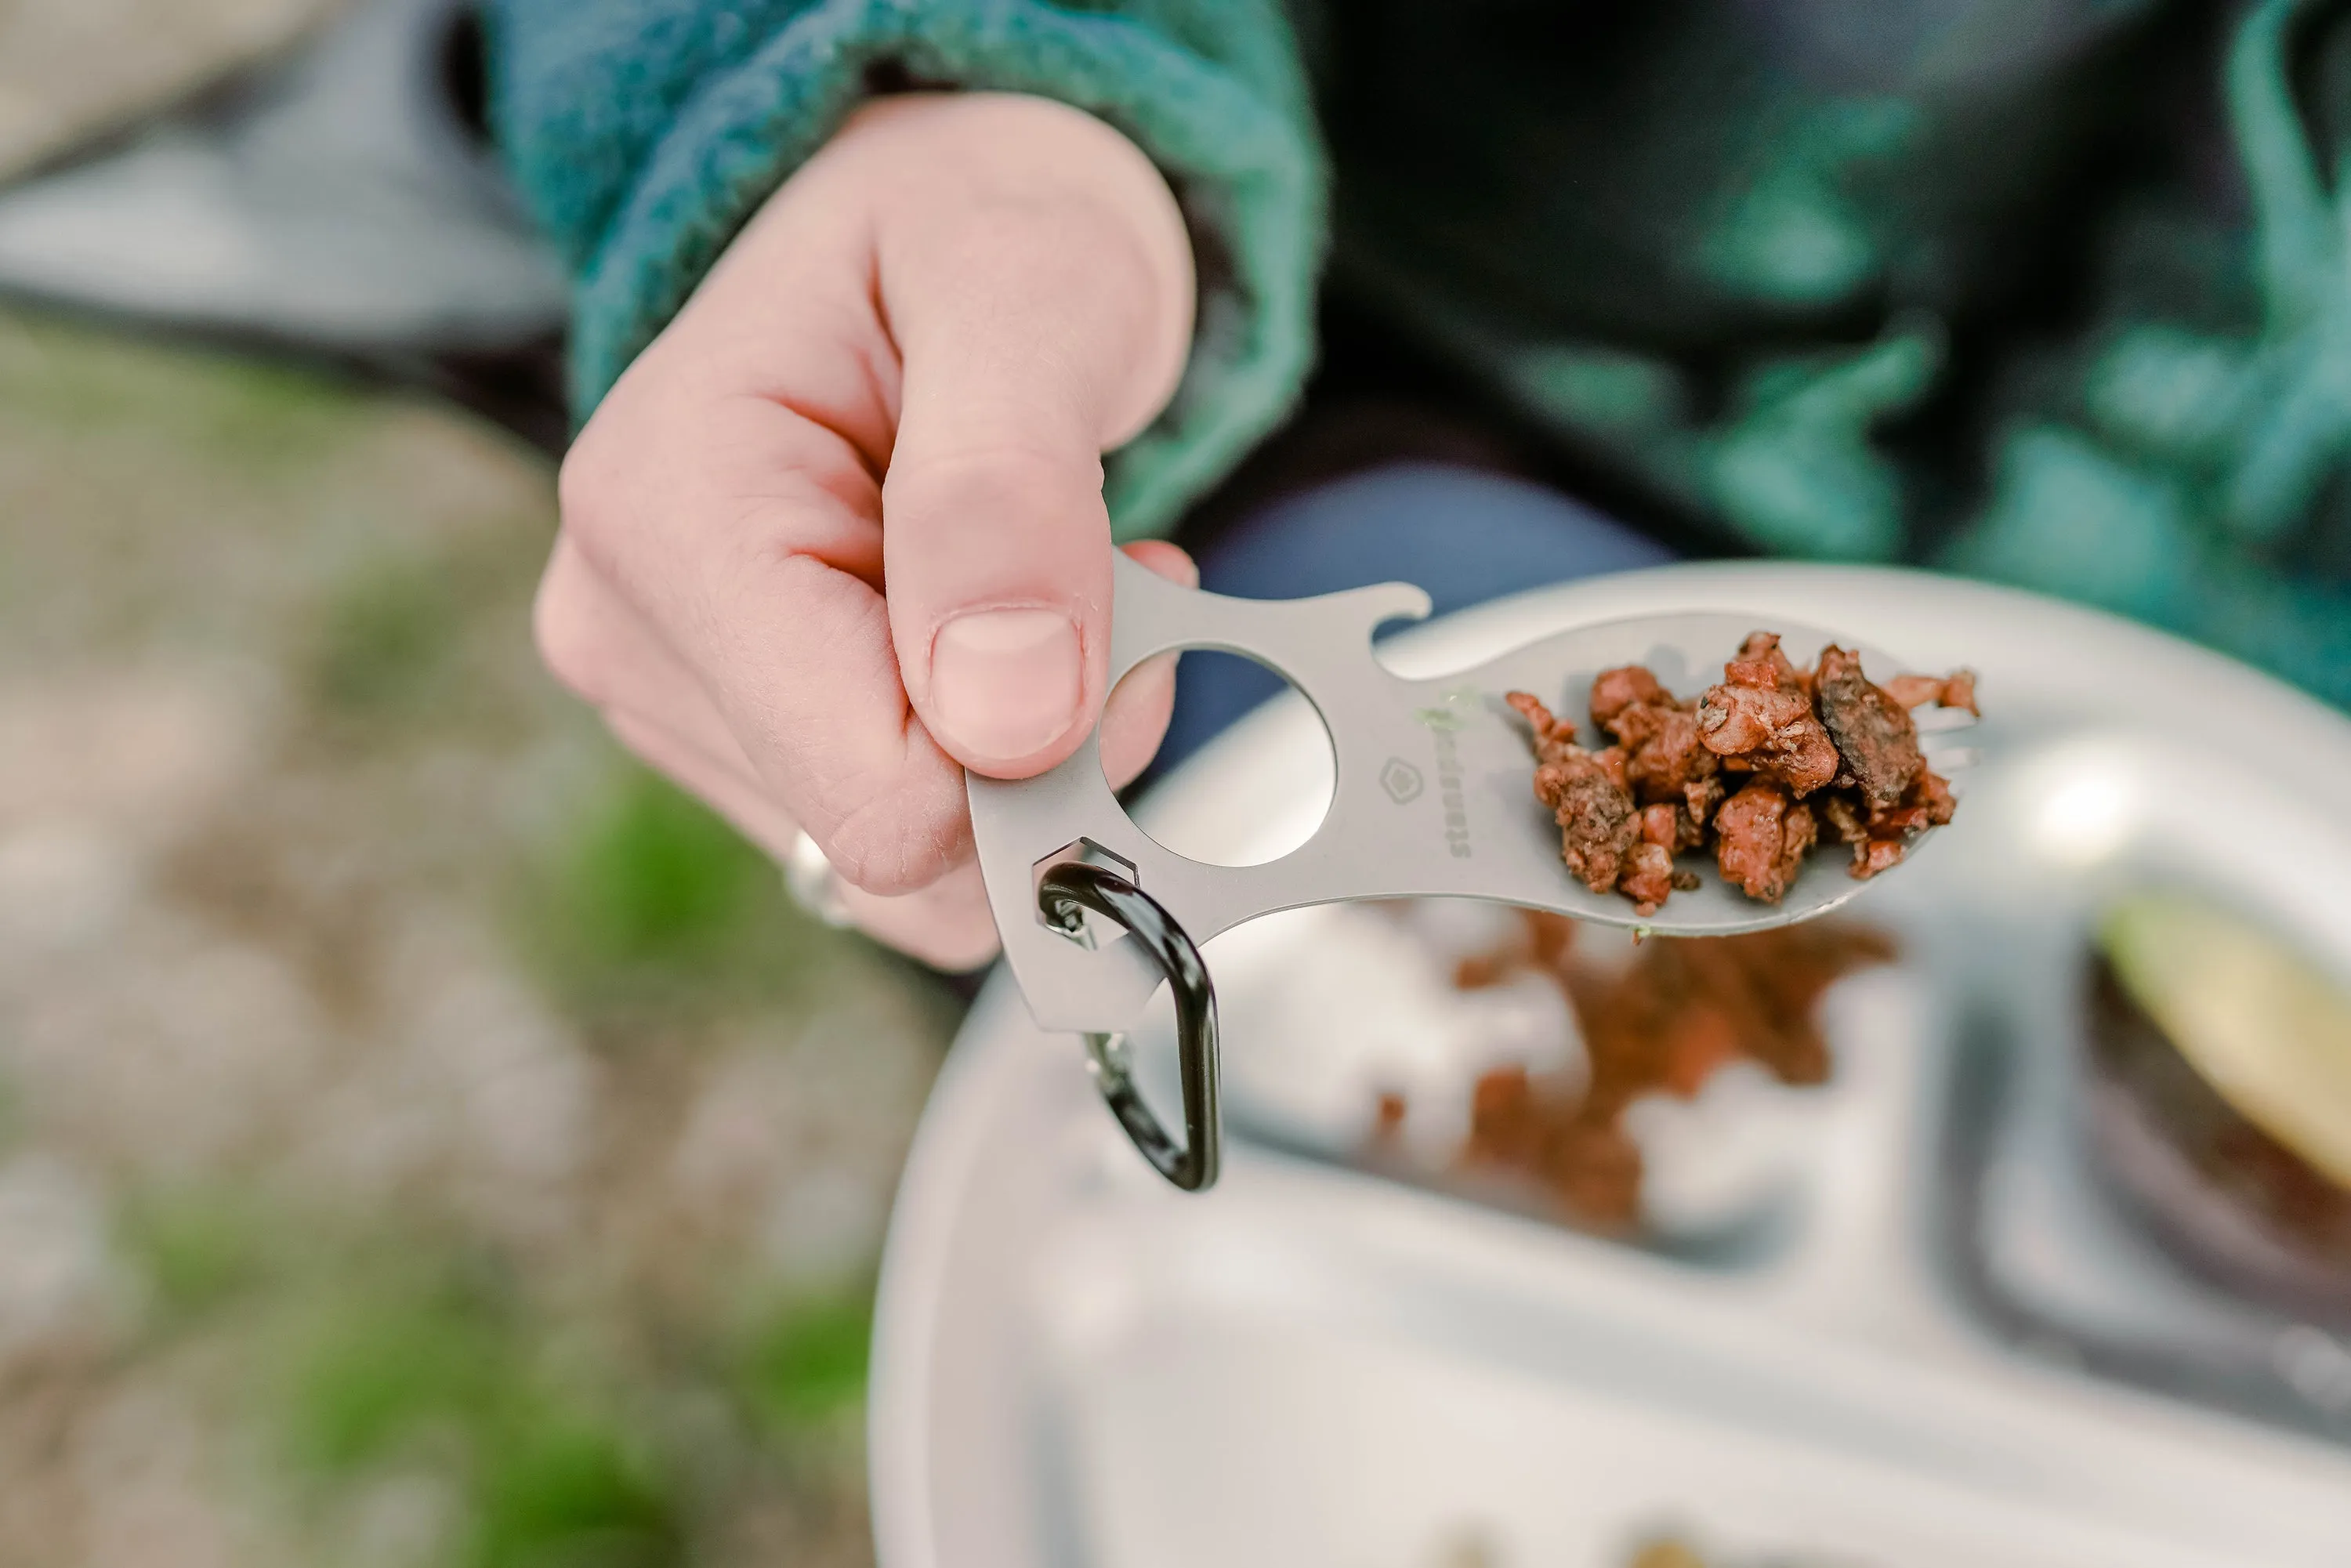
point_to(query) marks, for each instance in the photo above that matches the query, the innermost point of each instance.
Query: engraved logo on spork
(1444, 725)
(1401, 780)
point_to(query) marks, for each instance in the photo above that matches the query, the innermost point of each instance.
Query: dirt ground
(423, 1138)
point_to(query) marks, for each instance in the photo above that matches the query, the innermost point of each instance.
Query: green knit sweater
(2055, 292)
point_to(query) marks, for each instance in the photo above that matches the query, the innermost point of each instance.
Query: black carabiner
(1062, 893)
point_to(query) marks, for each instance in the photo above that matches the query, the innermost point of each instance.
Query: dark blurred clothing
(2054, 292)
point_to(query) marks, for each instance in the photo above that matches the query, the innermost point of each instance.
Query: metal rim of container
(1064, 893)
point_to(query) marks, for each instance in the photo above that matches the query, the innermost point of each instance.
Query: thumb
(1042, 314)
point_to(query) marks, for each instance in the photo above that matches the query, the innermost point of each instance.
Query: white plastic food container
(1903, 1327)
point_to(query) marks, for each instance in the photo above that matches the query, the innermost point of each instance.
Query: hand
(904, 371)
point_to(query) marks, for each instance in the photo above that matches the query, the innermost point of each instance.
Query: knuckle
(1046, 246)
(570, 643)
(580, 480)
(1001, 479)
(890, 851)
(873, 857)
(593, 476)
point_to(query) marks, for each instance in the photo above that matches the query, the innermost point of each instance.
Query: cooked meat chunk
(1648, 876)
(1872, 732)
(1649, 871)
(1627, 685)
(1928, 803)
(1761, 663)
(1873, 856)
(1587, 794)
(1880, 837)
(1761, 720)
(1933, 795)
(1954, 690)
(1761, 839)
(1843, 816)
(1847, 820)
(1700, 799)
(1598, 826)
(1816, 751)
(1663, 1024)
(1550, 734)
(1506, 1120)
(1665, 754)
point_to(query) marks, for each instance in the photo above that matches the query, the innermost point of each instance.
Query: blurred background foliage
(425, 1138)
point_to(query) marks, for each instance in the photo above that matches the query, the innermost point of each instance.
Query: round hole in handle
(1217, 813)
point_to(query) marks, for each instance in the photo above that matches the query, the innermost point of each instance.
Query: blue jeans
(1464, 535)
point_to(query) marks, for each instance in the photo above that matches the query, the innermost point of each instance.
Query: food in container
(2221, 1100)
(1659, 1026)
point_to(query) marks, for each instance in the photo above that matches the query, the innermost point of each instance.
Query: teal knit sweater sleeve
(644, 133)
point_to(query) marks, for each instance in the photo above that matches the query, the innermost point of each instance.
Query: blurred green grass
(808, 1360)
(387, 647)
(646, 907)
(387, 1352)
(651, 886)
(551, 1472)
(417, 814)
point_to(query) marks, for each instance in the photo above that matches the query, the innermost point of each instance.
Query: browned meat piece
(1664, 1024)
(1598, 825)
(1842, 816)
(1954, 690)
(1914, 691)
(1762, 837)
(1664, 752)
(1798, 835)
(1933, 795)
(1596, 1170)
(1927, 804)
(1791, 735)
(1849, 822)
(1551, 735)
(1628, 685)
(1542, 942)
(1700, 799)
(1761, 720)
(1506, 1120)
(1548, 1130)
(1761, 663)
(1648, 877)
(1873, 856)
(1881, 837)
(1588, 795)
(1658, 731)
(1674, 830)
(1649, 874)
(1872, 732)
